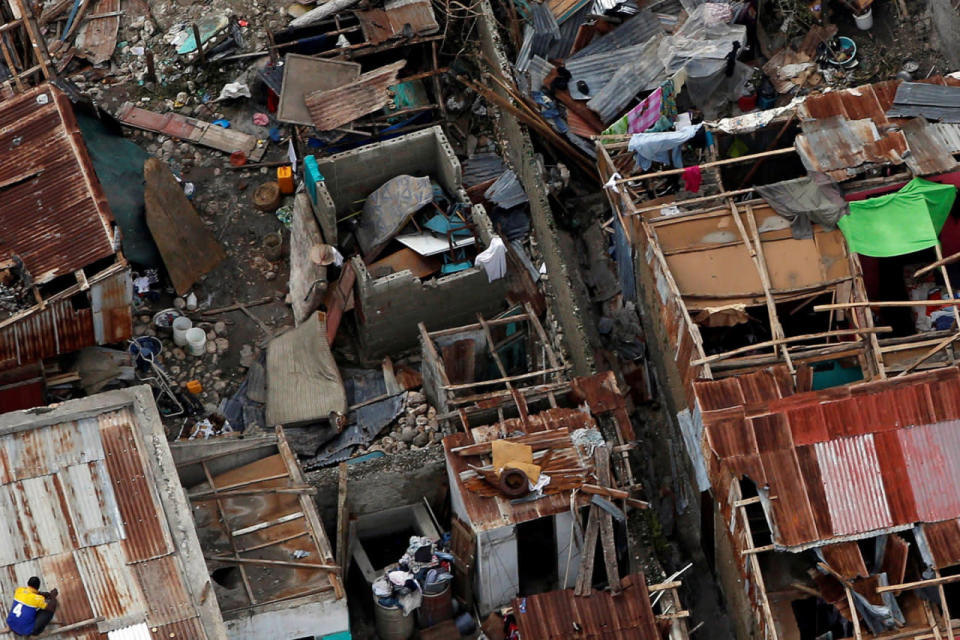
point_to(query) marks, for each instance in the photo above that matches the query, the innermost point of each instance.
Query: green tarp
(899, 223)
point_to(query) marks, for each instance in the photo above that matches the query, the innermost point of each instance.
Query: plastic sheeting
(803, 201)
(899, 223)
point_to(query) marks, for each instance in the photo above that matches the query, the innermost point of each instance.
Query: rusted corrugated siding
(560, 615)
(147, 535)
(113, 591)
(854, 487)
(338, 107)
(53, 212)
(45, 334)
(110, 302)
(848, 460)
(163, 580)
(943, 539)
(380, 25)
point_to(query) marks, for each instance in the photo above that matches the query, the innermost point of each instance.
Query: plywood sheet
(189, 250)
(302, 75)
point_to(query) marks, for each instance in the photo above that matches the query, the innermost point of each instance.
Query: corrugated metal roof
(53, 211)
(943, 540)
(560, 615)
(642, 73)
(481, 167)
(928, 154)
(948, 135)
(636, 30)
(846, 559)
(341, 106)
(931, 101)
(79, 508)
(856, 459)
(597, 70)
(485, 506)
(546, 31)
(380, 25)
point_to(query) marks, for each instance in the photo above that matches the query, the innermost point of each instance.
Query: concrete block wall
(568, 306)
(353, 175)
(391, 307)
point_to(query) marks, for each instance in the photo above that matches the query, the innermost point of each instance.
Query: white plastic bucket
(196, 341)
(180, 327)
(864, 20)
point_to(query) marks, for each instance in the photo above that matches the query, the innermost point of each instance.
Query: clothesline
(707, 165)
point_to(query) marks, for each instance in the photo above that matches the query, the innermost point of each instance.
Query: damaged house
(793, 291)
(63, 284)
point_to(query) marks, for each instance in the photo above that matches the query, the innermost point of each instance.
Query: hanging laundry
(663, 147)
(640, 118)
(493, 259)
(692, 179)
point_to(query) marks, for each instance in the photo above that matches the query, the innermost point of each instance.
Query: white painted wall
(317, 619)
(565, 534)
(497, 578)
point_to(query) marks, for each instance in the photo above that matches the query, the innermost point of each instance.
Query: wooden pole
(926, 356)
(809, 336)
(342, 517)
(275, 563)
(865, 318)
(939, 263)
(885, 303)
(945, 610)
(707, 165)
(74, 626)
(201, 56)
(919, 584)
(854, 617)
(946, 281)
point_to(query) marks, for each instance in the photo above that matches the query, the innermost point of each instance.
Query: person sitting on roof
(32, 610)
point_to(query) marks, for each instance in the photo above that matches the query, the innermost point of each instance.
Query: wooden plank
(602, 459)
(585, 576)
(189, 250)
(275, 563)
(308, 280)
(342, 517)
(919, 584)
(808, 336)
(406, 259)
(97, 39)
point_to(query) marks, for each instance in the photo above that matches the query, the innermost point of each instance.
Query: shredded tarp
(899, 223)
(803, 201)
(388, 209)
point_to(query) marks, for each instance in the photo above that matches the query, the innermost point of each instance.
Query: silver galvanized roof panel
(568, 32)
(598, 70)
(949, 135)
(481, 167)
(637, 30)
(545, 27)
(642, 73)
(92, 504)
(39, 513)
(932, 101)
(506, 191)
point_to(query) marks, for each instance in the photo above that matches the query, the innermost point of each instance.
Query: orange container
(194, 386)
(285, 179)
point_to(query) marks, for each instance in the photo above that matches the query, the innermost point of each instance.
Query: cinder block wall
(390, 308)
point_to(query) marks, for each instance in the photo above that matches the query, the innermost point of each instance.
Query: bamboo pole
(941, 261)
(809, 336)
(926, 356)
(854, 617)
(885, 303)
(946, 281)
(919, 584)
(707, 165)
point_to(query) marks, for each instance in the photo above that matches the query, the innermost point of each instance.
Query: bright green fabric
(899, 223)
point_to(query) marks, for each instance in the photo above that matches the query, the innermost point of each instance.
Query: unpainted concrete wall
(568, 306)
(390, 308)
(946, 20)
(394, 480)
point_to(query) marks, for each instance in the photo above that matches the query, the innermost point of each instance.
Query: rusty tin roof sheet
(80, 507)
(53, 211)
(341, 106)
(380, 25)
(486, 508)
(844, 462)
(560, 615)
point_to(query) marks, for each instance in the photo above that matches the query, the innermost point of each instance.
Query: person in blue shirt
(32, 610)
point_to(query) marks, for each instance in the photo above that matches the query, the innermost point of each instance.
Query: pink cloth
(645, 115)
(692, 179)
